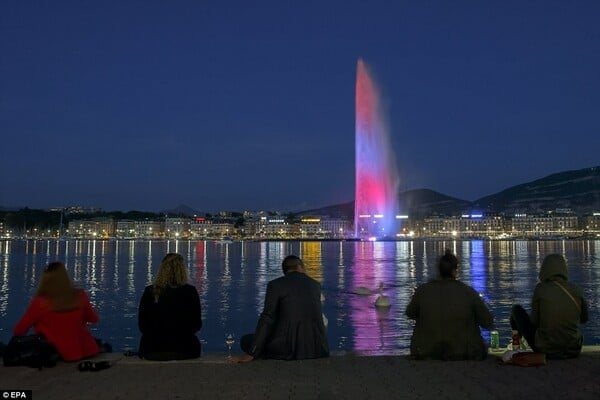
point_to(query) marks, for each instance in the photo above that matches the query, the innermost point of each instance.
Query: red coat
(67, 331)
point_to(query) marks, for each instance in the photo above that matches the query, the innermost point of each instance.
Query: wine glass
(229, 341)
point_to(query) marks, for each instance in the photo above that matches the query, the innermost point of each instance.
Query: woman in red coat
(61, 312)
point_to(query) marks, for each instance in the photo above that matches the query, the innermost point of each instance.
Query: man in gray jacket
(291, 324)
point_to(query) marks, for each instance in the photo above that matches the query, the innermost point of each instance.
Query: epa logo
(16, 394)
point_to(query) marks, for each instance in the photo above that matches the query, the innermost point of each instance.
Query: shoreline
(403, 239)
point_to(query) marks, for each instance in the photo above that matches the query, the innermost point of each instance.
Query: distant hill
(577, 190)
(418, 202)
(422, 202)
(182, 209)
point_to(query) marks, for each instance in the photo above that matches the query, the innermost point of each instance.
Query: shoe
(93, 366)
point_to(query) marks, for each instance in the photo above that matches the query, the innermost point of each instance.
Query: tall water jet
(377, 182)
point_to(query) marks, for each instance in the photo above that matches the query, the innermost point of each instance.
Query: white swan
(382, 300)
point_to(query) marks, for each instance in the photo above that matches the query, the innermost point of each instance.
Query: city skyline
(224, 106)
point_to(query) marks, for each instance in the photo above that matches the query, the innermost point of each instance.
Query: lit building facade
(100, 228)
(177, 227)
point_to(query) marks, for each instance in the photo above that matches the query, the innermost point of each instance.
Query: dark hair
(291, 263)
(448, 264)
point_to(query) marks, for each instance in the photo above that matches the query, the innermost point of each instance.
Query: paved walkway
(338, 377)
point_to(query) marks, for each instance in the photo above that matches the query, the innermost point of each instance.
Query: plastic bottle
(516, 340)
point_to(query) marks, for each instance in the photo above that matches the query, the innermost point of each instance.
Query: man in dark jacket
(291, 324)
(557, 309)
(448, 314)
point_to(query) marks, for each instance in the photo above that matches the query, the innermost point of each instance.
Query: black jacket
(291, 324)
(169, 326)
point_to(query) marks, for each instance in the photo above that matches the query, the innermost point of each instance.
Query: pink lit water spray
(377, 182)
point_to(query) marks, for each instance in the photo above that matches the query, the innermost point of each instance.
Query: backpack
(31, 351)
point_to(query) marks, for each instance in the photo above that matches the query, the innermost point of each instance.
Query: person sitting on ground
(557, 309)
(448, 314)
(60, 312)
(169, 314)
(291, 324)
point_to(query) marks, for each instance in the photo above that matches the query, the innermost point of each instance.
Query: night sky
(249, 105)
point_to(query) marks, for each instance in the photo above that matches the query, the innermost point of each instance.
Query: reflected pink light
(376, 174)
(374, 331)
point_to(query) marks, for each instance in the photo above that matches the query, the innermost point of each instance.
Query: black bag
(31, 351)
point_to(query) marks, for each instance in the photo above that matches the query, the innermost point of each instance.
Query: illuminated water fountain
(377, 182)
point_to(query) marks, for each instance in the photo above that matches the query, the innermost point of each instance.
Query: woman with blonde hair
(61, 312)
(169, 314)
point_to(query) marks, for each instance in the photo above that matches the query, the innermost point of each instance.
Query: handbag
(523, 358)
(529, 359)
(31, 351)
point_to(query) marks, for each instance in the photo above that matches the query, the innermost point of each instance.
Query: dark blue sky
(250, 105)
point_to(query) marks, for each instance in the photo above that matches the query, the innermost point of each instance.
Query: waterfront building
(149, 229)
(125, 229)
(478, 225)
(565, 224)
(309, 227)
(100, 228)
(439, 226)
(215, 228)
(200, 228)
(561, 224)
(177, 227)
(273, 227)
(336, 228)
(591, 223)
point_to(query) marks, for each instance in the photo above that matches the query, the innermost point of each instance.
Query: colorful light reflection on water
(232, 278)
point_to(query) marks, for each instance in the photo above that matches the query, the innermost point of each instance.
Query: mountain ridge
(576, 190)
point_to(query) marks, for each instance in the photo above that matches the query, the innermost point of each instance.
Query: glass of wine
(229, 341)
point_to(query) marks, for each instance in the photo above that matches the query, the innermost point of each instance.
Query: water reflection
(232, 279)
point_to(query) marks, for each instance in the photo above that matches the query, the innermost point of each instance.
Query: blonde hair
(56, 285)
(171, 273)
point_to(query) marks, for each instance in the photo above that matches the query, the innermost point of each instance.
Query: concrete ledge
(349, 376)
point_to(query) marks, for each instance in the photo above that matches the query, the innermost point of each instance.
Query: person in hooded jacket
(558, 307)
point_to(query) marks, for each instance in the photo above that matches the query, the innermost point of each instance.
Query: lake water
(231, 279)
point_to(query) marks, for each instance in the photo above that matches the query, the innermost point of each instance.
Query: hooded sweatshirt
(555, 314)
